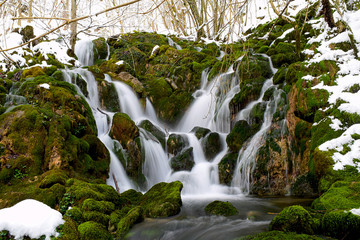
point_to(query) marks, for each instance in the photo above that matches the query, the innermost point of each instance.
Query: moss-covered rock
(211, 145)
(162, 200)
(200, 132)
(279, 76)
(109, 99)
(220, 208)
(176, 143)
(274, 235)
(238, 135)
(69, 230)
(101, 48)
(226, 168)
(133, 196)
(155, 131)
(283, 53)
(341, 195)
(134, 216)
(93, 230)
(99, 206)
(53, 177)
(130, 80)
(183, 161)
(293, 219)
(341, 224)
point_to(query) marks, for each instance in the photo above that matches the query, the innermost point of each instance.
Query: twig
(279, 14)
(153, 9)
(68, 21)
(2, 3)
(34, 18)
(116, 184)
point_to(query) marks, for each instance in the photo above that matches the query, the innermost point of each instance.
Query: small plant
(66, 202)
(20, 175)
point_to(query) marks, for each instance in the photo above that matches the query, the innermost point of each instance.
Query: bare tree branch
(67, 22)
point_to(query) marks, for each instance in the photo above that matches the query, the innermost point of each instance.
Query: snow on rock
(355, 211)
(30, 218)
(45, 85)
(55, 48)
(121, 62)
(155, 50)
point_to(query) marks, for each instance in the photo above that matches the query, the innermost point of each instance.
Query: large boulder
(211, 145)
(155, 131)
(162, 200)
(227, 167)
(176, 143)
(238, 135)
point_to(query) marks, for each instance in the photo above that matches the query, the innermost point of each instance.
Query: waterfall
(84, 50)
(246, 161)
(211, 106)
(210, 109)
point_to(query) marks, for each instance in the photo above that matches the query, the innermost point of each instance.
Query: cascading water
(246, 160)
(209, 110)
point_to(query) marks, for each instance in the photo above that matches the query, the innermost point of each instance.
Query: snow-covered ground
(348, 76)
(30, 218)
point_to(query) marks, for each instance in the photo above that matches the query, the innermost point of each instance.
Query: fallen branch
(2, 3)
(67, 22)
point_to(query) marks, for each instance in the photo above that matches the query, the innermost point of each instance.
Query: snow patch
(45, 85)
(121, 62)
(30, 218)
(355, 211)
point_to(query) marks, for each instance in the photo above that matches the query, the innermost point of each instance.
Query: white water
(84, 50)
(210, 110)
(246, 161)
(211, 106)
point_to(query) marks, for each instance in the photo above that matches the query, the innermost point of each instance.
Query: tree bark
(73, 26)
(328, 15)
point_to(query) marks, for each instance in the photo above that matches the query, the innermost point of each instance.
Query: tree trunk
(73, 27)
(328, 15)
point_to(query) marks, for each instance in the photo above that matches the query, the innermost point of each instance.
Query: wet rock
(183, 161)
(238, 135)
(211, 145)
(123, 129)
(200, 132)
(155, 131)
(176, 143)
(130, 80)
(227, 167)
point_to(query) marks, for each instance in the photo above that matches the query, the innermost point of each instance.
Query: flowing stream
(210, 109)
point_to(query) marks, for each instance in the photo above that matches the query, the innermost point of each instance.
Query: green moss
(176, 143)
(134, 216)
(52, 177)
(220, 208)
(100, 48)
(341, 195)
(226, 168)
(322, 132)
(284, 53)
(211, 145)
(341, 224)
(99, 206)
(75, 213)
(293, 219)
(108, 96)
(162, 200)
(279, 235)
(155, 131)
(69, 230)
(183, 161)
(200, 132)
(238, 135)
(97, 217)
(93, 230)
(133, 196)
(279, 76)
(80, 191)
(123, 129)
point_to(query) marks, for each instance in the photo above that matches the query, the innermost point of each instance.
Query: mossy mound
(341, 195)
(134, 216)
(123, 129)
(341, 225)
(109, 99)
(132, 196)
(93, 230)
(293, 219)
(162, 200)
(283, 53)
(220, 208)
(279, 235)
